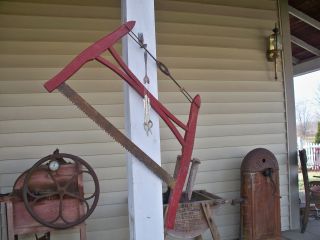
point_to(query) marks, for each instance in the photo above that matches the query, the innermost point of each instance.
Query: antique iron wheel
(55, 181)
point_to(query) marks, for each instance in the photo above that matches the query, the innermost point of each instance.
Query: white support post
(144, 188)
(290, 117)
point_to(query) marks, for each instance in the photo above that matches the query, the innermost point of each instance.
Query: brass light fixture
(274, 48)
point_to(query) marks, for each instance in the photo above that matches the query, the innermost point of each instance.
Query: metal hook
(147, 127)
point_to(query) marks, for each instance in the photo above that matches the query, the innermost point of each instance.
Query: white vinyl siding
(38, 38)
(217, 49)
(214, 48)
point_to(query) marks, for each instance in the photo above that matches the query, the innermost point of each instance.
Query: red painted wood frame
(187, 141)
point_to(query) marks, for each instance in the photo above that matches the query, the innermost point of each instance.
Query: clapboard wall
(37, 39)
(214, 48)
(217, 49)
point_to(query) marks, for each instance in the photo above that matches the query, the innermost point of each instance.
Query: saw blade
(115, 133)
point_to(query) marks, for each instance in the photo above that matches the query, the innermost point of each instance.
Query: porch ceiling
(305, 35)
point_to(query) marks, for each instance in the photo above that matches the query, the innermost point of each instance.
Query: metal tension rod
(161, 66)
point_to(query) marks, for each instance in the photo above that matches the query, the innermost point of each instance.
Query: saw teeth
(115, 133)
(96, 122)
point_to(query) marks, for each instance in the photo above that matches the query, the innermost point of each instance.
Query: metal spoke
(63, 219)
(91, 196)
(95, 190)
(31, 193)
(53, 179)
(75, 196)
(60, 206)
(82, 199)
(37, 198)
(66, 186)
(61, 193)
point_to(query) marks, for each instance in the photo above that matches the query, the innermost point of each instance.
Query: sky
(305, 87)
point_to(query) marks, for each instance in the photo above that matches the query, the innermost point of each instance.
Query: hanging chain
(163, 68)
(147, 123)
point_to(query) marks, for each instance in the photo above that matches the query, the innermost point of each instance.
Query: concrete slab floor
(312, 232)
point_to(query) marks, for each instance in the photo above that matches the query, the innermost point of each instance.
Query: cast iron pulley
(56, 182)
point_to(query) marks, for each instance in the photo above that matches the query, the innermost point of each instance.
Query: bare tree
(304, 119)
(317, 97)
(317, 101)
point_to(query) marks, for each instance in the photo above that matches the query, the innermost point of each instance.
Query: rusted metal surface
(56, 199)
(260, 210)
(6, 197)
(258, 160)
(121, 69)
(43, 199)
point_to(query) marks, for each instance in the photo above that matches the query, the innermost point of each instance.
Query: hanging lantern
(274, 48)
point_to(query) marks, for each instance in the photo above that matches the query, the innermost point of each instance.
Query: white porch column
(144, 188)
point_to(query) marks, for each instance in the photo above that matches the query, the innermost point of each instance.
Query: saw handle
(87, 55)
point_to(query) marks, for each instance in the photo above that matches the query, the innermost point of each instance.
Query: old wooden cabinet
(260, 210)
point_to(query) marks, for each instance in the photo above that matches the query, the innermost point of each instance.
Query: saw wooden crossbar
(121, 69)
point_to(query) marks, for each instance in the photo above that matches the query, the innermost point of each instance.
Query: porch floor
(312, 232)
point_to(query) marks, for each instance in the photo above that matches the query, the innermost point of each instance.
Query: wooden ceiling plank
(295, 60)
(304, 17)
(306, 67)
(305, 45)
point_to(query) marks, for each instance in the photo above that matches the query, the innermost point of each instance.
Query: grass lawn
(312, 177)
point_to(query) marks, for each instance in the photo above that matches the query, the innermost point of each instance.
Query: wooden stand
(20, 222)
(260, 211)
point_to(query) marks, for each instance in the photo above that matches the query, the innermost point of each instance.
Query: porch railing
(313, 154)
